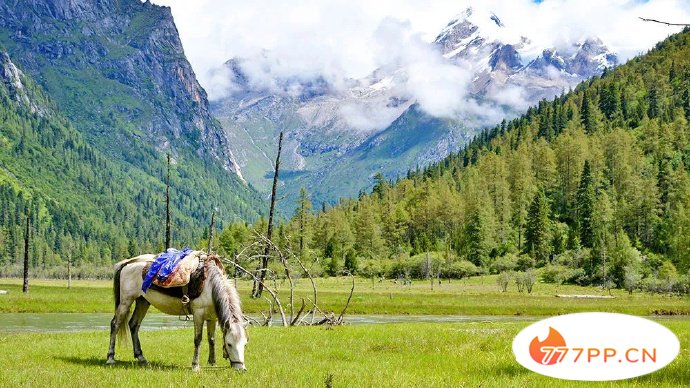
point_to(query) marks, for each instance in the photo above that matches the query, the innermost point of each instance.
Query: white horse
(212, 298)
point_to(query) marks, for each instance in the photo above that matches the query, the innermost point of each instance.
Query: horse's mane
(225, 298)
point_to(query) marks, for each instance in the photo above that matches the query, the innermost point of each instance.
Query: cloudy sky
(350, 38)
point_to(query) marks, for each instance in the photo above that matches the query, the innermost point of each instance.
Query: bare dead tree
(27, 231)
(210, 230)
(258, 286)
(297, 316)
(167, 207)
(663, 22)
(69, 269)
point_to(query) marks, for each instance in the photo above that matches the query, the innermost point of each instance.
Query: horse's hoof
(196, 368)
(143, 362)
(110, 361)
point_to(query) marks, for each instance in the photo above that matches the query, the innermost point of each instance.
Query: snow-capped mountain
(504, 59)
(338, 137)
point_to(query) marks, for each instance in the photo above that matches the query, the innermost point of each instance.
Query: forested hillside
(85, 207)
(594, 186)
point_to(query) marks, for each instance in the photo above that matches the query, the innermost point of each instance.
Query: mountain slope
(85, 205)
(115, 64)
(101, 92)
(593, 186)
(327, 127)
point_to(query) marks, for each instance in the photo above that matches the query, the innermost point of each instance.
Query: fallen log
(584, 296)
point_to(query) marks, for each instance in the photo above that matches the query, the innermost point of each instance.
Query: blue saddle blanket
(164, 266)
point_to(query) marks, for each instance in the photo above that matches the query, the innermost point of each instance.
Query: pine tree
(380, 185)
(610, 101)
(538, 234)
(478, 250)
(586, 114)
(585, 206)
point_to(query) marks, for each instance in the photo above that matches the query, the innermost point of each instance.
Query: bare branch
(301, 309)
(352, 290)
(666, 23)
(252, 320)
(273, 294)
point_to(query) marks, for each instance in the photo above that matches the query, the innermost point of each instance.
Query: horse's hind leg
(116, 325)
(211, 331)
(140, 309)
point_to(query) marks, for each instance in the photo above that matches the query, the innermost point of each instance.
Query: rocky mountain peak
(505, 58)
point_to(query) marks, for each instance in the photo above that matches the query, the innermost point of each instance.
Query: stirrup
(185, 299)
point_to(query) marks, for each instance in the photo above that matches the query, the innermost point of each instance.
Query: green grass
(475, 296)
(400, 355)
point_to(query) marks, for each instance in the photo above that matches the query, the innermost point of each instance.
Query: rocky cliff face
(118, 70)
(11, 77)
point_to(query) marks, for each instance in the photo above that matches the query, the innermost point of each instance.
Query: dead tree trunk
(25, 288)
(429, 271)
(69, 270)
(259, 286)
(167, 207)
(210, 231)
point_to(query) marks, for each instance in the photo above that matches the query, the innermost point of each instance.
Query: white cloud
(344, 39)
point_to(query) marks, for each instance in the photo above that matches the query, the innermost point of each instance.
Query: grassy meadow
(468, 354)
(396, 355)
(473, 296)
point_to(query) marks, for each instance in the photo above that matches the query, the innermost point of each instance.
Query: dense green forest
(84, 206)
(593, 186)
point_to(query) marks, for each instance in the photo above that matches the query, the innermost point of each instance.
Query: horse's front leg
(211, 331)
(140, 309)
(198, 336)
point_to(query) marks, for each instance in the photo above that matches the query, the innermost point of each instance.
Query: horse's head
(234, 340)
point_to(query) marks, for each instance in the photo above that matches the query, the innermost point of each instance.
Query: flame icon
(547, 356)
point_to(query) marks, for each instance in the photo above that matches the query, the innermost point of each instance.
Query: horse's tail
(123, 330)
(116, 282)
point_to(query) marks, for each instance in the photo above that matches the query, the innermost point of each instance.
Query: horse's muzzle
(239, 366)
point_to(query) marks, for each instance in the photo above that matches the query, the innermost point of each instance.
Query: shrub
(525, 262)
(505, 263)
(632, 278)
(461, 269)
(530, 278)
(559, 274)
(520, 281)
(503, 280)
